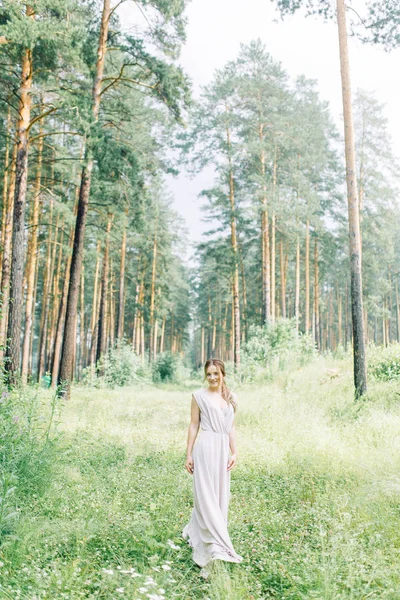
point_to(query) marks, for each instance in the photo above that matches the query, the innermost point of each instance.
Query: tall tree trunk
(297, 289)
(95, 314)
(82, 325)
(244, 295)
(153, 292)
(339, 302)
(6, 178)
(60, 324)
(162, 338)
(209, 330)
(266, 261)
(360, 372)
(13, 350)
(102, 326)
(67, 357)
(316, 297)
(6, 265)
(283, 280)
(273, 271)
(121, 303)
(307, 275)
(273, 235)
(45, 298)
(397, 311)
(56, 300)
(236, 305)
(203, 359)
(111, 310)
(32, 259)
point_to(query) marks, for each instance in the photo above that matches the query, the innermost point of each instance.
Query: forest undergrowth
(94, 506)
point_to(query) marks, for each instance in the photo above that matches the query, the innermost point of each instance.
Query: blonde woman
(210, 461)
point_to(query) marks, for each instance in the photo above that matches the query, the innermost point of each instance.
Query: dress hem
(203, 560)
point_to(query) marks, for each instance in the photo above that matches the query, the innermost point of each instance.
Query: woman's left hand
(232, 462)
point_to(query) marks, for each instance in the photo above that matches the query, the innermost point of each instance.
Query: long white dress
(207, 530)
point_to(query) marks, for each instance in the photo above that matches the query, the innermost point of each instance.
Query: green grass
(315, 508)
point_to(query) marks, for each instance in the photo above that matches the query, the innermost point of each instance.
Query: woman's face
(213, 377)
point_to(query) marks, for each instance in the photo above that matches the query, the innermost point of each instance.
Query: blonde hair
(225, 391)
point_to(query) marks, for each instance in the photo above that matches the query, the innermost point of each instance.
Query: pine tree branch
(42, 116)
(44, 135)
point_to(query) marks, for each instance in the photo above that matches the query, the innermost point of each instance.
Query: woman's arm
(192, 434)
(232, 446)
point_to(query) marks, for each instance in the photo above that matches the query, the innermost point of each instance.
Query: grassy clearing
(315, 507)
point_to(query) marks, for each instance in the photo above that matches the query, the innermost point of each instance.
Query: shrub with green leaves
(273, 347)
(120, 366)
(384, 363)
(165, 367)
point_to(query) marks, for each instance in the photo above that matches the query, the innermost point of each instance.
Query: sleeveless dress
(207, 530)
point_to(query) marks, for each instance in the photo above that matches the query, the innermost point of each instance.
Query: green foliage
(26, 450)
(384, 363)
(120, 366)
(165, 367)
(314, 505)
(382, 24)
(273, 347)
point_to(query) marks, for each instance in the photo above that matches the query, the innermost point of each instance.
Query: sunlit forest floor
(315, 507)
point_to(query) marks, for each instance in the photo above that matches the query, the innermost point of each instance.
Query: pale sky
(308, 46)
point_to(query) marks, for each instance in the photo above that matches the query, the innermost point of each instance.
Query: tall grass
(314, 508)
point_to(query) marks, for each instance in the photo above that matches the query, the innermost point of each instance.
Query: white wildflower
(120, 590)
(172, 545)
(108, 571)
(143, 590)
(166, 567)
(156, 569)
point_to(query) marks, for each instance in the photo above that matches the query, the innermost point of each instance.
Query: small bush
(165, 367)
(274, 347)
(119, 367)
(384, 363)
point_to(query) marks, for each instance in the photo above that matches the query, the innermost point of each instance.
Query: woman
(213, 412)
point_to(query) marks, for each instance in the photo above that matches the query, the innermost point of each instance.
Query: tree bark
(266, 265)
(56, 293)
(244, 296)
(121, 303)
(235, 289)
(60, 325)
(13, 350)
(316, 297)
(340, 318)
(6, 266)
(102, 326)
(283, 280)
(360, 372)
(32, 259)
(297, 288)
(307, 276)
(6, 179)
(153, 292)
(45, 298)
(273, 270)
(397, 311)
(162, 339)
(67, 357)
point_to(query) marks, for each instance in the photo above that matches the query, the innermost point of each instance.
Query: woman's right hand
(189, 465)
